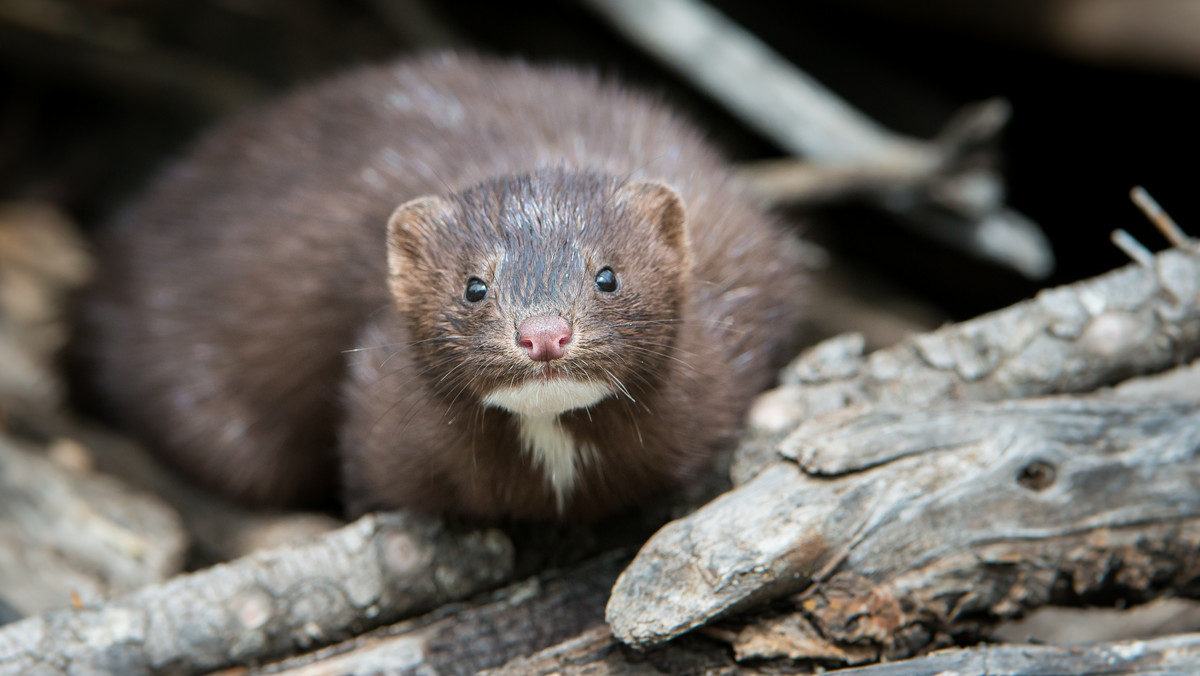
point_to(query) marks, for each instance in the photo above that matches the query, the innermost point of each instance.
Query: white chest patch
(537, 406)
(555, 451)
(548, 397)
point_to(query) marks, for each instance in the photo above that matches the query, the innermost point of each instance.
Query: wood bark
(465, 638)
(373, 572)
(1075, 338)
(919, 522)
(69, 536)
(1156, 657)
(597, 653)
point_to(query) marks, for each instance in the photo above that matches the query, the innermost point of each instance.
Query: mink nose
(544, 338)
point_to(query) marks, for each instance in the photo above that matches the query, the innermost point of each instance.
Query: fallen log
(464, 638)
(597, 653)
(1137, 319)
(1156, 657)
(73, 537)
(918, 522)
(373, 572)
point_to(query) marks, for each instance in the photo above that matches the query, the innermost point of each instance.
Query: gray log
(1070, 339)
(465, 638)
(934, 517)
(70, 536)
(370, 573)
(597, 653)
(1167, 656)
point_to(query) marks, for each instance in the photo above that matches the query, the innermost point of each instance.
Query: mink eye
(476, 290)
(606, 280)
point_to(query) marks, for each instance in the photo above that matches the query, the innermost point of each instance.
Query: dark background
(95, 94)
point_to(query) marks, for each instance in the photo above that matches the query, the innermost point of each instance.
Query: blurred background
(96, 94)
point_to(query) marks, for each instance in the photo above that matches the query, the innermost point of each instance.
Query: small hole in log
(1037, 475)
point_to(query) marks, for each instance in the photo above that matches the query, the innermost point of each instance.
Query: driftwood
(935, 521)
(597, 653)
(1061, 624)
(911, 514)
(938, 188)
(465, 638)
(1138, 319)
(370, 573)
(219, 530)
(1157, 657)
(70, 536)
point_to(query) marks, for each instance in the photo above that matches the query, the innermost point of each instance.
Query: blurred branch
(935, 186)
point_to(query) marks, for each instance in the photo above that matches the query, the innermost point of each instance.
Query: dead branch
(932, 185)
(70, 536)
(597, 653)
(465, 638)
(1073, 338)
(373, 572)
(1167, 655)
(935, 521)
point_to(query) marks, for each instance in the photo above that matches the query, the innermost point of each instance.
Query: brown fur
(243, 320)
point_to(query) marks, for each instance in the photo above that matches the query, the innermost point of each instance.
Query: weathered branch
(597, 653)
(370, 573)
(937, 519)
(1167, 655)
(465, 638)
(71, 536)
(1075, 338)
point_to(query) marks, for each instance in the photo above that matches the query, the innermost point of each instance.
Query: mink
(453, 284)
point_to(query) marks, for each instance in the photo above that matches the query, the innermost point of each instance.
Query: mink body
(270, 322)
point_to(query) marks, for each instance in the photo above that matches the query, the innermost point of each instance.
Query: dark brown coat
(245, 322)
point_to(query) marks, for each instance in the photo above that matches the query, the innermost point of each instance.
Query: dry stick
(373, 572)
(1069, 339)
(806, 119)
(1160, 218)
(1132, 248)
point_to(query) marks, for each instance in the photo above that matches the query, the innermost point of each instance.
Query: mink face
(478, 277)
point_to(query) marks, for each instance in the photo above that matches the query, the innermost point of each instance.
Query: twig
(1132, 248)
(1160, 218)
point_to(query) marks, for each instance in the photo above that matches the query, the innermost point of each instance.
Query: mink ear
(659, 204)
(409, 229)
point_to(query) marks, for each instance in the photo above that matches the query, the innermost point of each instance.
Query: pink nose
(544, 338)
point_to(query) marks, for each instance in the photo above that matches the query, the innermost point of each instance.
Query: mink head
(543, 292)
